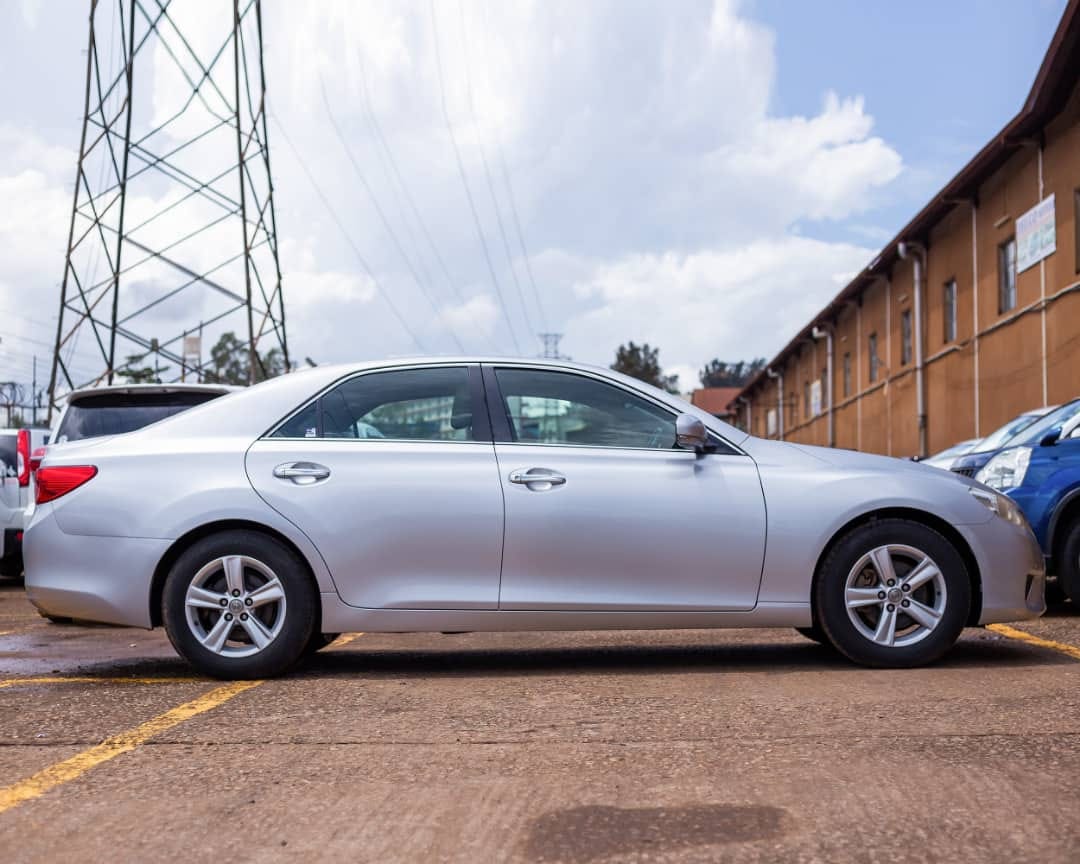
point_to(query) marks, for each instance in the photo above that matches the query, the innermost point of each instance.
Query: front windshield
(997, 439)
(1034, 433)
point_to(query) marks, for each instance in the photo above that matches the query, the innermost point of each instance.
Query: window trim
(482, 432)
(500, 420)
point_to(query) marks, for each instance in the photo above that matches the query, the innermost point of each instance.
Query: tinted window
(409, 404)
(116, 413)
(561, 408)
(1034, 433)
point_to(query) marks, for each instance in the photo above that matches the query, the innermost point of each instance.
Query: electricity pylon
(173, 231)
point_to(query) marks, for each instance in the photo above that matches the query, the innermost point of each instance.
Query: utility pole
(195, 156)
(551, 346)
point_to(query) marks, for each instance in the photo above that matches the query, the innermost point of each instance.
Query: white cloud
(660, 197)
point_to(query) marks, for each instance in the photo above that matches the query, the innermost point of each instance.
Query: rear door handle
(302, 473)
(538, 477)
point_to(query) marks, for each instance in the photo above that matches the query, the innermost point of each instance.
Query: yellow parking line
(345, 639)
(1024, 636)
(86, 679)
(6, 632)
(70, 769)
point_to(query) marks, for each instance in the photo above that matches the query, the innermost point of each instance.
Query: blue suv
(1043, 477)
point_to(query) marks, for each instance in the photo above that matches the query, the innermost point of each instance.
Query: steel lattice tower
(173, 232)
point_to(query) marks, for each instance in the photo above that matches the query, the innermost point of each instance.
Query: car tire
(1068, 568)
(258, 581)
(815, 634)
(892, 593)
(12, 568)
(318, 641)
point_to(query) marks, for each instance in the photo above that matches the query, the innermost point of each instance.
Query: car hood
(849, 460)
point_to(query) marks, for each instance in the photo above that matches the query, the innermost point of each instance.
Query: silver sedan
(475, 494)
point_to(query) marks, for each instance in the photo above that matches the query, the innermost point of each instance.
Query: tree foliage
(230, 362)
(643, 362)
(719, 373)
(133, 373)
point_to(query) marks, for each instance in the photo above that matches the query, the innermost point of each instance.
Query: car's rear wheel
(318, 641)
(239, 604)
(1068, 568)
(893, 593)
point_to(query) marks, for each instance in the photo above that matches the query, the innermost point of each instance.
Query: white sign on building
(1036, 234)
(815, 398)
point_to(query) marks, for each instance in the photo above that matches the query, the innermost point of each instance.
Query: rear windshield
(116, 413)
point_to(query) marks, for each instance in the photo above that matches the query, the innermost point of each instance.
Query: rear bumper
(104, 579)
(1012, 571)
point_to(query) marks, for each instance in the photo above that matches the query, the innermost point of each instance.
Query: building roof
(715, 400)
(1054, 83)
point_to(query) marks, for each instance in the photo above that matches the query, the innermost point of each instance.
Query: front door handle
(302, 473)
(537, 479)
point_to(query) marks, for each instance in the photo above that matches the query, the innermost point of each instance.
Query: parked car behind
(946, 457)
(1033, 430)
(16, 493)
(508, 495)
(1043, 477)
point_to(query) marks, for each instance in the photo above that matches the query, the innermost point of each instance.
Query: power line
(348, 237)
(382, 216)
(487, 171)
(465, 181)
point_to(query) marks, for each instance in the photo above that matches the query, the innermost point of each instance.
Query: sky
(702, 176)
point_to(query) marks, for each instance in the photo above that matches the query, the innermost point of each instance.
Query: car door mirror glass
(1051, 437)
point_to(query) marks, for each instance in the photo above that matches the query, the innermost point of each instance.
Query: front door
(604, 513)
(392, 475)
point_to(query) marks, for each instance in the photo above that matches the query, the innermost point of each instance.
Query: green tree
(231, 362)
(643, 362)
(133, 373)
(718, 373)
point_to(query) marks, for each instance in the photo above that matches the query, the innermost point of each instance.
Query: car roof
(255, 409)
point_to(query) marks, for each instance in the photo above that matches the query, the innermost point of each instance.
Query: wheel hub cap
(895, 595)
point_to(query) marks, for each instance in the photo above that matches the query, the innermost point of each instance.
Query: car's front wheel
(893, 593)
(239, 604)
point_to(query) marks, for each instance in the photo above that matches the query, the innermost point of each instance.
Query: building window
(1076, 227)
(825, 406)
(905, 337)
(1007, 275)
(847, 374)
(806, 399)
(949, 310)
(872, 350)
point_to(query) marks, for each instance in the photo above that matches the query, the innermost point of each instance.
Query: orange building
(970, 315)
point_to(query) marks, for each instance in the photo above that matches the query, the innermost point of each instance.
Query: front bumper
(1012, 570)
(104, 579)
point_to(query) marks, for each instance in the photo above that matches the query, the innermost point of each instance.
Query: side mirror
(690, 433)
(1051, 437)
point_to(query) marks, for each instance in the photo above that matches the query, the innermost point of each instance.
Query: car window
(546, 407)
(999, 437)
(1034, 433)
(406, 404)
(116, 413)
(9, 455)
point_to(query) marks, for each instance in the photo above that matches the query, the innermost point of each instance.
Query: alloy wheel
(895, 595)
(235, 606)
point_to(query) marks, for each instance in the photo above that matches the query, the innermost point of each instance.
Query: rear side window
(407, 404)
(116, 413)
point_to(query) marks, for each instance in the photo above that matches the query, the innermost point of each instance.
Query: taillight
(35, 459)
(57, 481)
(23, 450)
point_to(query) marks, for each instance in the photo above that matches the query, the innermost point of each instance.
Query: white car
(508, 495)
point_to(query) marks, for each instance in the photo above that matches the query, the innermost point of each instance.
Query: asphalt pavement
(682, 746)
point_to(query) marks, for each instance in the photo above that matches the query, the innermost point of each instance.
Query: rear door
(392, 476)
